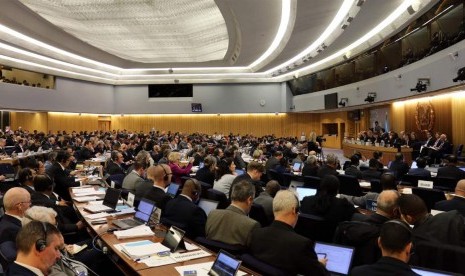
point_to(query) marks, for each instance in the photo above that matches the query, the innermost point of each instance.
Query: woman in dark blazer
(325, 203)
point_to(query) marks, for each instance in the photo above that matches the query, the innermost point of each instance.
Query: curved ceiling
(202, 41)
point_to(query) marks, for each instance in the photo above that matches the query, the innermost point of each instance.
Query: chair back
(261, 267)
(376, 186)
(312, 182)
(7, 169)
(118, 179)
(445, 183)
(439, 256)
(274, 175)
(205, 187)
(349, 185)
(257, 212)
(315, 228)
(215, 246)
(429, 196)
(218, 196)
(412, 180)
(7, 253)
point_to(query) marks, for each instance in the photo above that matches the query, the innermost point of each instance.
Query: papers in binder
(141, 249)
(86, 198)
(136, 232)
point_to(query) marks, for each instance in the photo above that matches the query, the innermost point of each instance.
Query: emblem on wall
(424, 116)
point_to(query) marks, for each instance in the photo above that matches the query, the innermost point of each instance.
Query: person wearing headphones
(395, 241)
(38, 245)
(161, 177)
(15, 201)
(114, 166)
(182, 211)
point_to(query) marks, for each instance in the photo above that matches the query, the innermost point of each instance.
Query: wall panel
(72, 122)
(30, 121)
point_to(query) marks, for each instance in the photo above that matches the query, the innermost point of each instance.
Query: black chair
(439, 256)
(118, 179)
(257, 212)
(9, 149)
(287, 179)
(312, 182)
(376, 186)
(445, 183)
(429, 196)
(7, 170)
(274, 175)
(218, 196)
(168, 223)
(215, 246)
(7, 254)
(349, 185)
(205, 187)
(261, 267)
(315, 228)
(412, 180)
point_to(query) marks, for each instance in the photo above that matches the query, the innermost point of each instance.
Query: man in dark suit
(457, 202)
(330, 167)
(395, 241)
(16, 201)
(398, 166)
(372, 172)
(20, 146)
(37, 244)
(296, 253)
(451, 170)
(420, 170)
(353, 168)
(273, 162)
(231, 225)
(63, 180)
(183, 210)
(161, 177)
(87, 152)
(253, 175)
(114, 166)
(430, 141)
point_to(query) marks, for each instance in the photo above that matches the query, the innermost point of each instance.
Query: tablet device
(208, 205)
(173, 239)
(339, 257)
(225, 265)
(303, 192)
(296, 167)
(172, 189)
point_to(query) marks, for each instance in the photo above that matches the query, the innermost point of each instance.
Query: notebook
(339, 257)
(303, 192)
(109, 202)
(142, 216)
(208, 205)
(172, 189)
(431, 272)
(173, 239)
(225, 265)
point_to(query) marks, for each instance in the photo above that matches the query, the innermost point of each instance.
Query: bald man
(161, 177)
(16, 201)
(455, 203)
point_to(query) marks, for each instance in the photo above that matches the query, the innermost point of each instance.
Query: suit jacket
(326, 170)
(113, 168)
(280, 246)
(86, 154)
(63, 181)
(265, 200)
(205, 175)
(184, 211)
(339, 209)
(354, 171)
(451, 172)
(399, 168)
(419, 172)
(129, 182)
(271, 163)
(371, 174)
(245, 176)
(158, 196)
(15, 269)
(9, 228)
(446, 228)
(310, 170)
(231, 226)
(142, 186)
(456, 203)
(385, 266)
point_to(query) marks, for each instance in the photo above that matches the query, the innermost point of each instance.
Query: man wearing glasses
(16, 201)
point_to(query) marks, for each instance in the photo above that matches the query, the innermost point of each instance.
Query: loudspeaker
(41, 244)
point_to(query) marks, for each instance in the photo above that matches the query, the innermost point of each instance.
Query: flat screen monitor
(331, 101)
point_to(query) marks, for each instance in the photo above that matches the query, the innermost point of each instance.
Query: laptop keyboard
(130, 222)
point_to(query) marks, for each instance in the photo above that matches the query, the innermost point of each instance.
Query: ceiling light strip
(386, 22)
(335, 23)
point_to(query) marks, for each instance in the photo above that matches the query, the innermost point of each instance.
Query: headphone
(41, 243)
(114, 155)
(195, 192)
(165, 178)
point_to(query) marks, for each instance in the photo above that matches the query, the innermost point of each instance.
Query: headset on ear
(165, 178)
(41, 243)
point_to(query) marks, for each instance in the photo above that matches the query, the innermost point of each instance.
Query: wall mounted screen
(170, 90)
(331, 101)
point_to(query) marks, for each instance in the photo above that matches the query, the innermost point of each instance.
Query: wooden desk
(367, 151)
(127, 265)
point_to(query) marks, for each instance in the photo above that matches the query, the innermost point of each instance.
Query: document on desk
(143, 249)
(202, 269)
(136, 232)
(86, 198)
(97, 215)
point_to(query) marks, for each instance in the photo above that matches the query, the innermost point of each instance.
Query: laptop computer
(431, 272)
(208, 205)
(414, 165)
(109, 202)
(296, 167)
(240, 172)
(304, 191)
(339, 257)
(225, 265)
(172, 189)
(141, 217)
(173, 239)
(201, 165)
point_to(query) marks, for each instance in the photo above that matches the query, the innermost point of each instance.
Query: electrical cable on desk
(104, 248)
(80, 263)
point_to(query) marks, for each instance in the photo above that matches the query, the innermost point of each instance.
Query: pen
(142, 258)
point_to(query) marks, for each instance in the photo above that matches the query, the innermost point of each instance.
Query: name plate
(425, 184)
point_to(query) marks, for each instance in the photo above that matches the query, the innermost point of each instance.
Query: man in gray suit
(135, 177)
(231, 225)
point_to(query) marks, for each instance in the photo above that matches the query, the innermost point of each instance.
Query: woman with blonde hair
(174, 162)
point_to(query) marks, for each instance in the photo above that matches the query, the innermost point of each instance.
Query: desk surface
(127, 265)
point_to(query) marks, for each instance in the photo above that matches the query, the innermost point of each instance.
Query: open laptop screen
(431, 272)
(173, 238)
(339, 257)
(208, 205)
(144, 210)
(111, 197)
(303, 192)
(173, 189)
(240, 172)
(414, 165)
(296, 167)
(225, 265)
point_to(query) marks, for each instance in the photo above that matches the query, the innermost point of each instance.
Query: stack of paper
(136, 232)
(141, 249)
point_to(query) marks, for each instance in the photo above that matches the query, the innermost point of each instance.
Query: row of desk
(350, 149)
(127, 265)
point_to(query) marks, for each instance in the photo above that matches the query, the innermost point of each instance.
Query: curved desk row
(367, 151)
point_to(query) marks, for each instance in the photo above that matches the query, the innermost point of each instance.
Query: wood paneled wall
(29, 121)
(72, 121)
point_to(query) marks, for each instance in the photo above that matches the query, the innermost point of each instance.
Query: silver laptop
(109, 202)
(141, 217)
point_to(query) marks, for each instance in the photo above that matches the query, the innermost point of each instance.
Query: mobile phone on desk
(190, 273)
